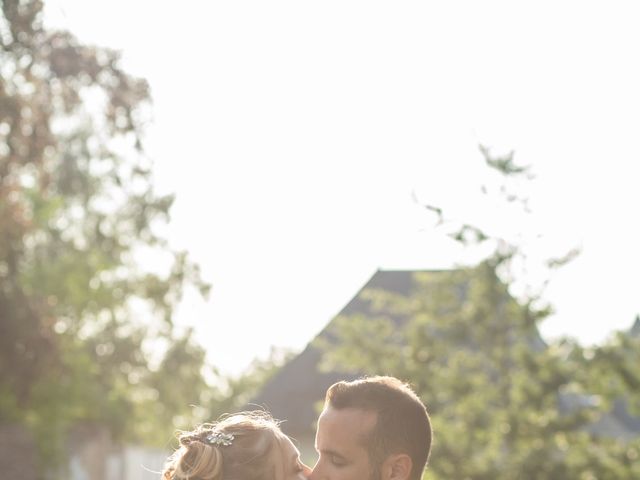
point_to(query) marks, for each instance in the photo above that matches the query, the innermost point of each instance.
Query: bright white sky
(293, 134)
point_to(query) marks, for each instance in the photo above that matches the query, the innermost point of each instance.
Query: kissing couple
(373, 428)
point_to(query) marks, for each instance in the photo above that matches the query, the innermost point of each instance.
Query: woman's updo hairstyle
(236, 447)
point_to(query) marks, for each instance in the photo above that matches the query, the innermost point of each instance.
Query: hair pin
(220, 438)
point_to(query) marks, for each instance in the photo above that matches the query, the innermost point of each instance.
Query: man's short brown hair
(402, 424)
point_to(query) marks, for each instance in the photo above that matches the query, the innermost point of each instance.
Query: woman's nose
(306, 471)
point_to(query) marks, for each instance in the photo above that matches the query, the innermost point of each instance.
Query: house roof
(295, 393)
(634, 331)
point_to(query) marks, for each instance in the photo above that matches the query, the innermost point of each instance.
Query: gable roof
(634, 331)
(294, 393)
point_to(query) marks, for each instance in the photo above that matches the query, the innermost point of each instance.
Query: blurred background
(208, 206)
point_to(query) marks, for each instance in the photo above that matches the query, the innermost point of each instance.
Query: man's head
(374, 428)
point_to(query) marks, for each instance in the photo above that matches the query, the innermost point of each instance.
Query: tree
(504, 403)
(77, 206)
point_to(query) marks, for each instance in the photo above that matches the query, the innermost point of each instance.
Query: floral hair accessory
(220, 439)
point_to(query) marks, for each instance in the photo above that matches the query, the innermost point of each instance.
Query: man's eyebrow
(328, 451)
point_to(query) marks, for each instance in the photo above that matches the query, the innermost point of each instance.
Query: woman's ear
(397, 467)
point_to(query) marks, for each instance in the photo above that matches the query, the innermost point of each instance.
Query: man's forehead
(355, 420)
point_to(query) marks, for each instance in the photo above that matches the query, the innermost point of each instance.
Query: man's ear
(397, 467)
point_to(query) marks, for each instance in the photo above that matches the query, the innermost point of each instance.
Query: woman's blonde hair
(245, 453)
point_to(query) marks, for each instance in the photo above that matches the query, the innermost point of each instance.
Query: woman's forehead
(284, 456)
(289, 450)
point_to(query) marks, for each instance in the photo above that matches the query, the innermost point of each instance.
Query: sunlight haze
(296, 135)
